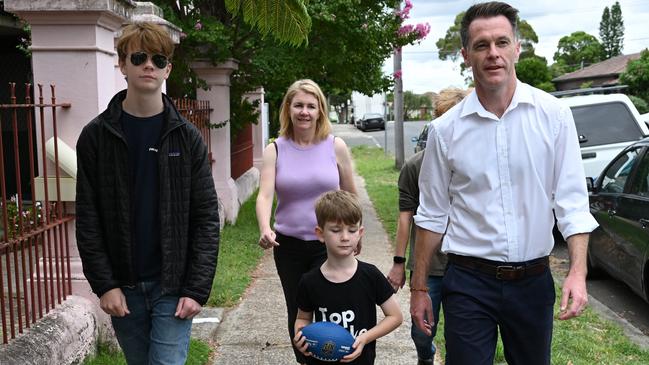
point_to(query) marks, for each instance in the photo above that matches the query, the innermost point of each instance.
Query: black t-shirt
(143, 136)
(351, 304)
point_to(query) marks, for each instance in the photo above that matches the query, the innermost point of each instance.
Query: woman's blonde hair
(448, 98)
(323, 125)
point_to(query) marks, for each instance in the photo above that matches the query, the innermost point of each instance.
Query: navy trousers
(477, 306)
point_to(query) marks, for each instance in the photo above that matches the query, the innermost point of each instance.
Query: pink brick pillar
(218, 93)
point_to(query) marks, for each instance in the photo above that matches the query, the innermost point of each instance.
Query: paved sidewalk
(255, 331)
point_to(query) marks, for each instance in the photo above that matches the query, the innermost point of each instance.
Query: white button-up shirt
(491, 183)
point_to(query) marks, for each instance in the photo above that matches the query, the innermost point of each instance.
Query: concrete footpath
(255, 331)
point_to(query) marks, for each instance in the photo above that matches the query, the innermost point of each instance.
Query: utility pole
(398, 109)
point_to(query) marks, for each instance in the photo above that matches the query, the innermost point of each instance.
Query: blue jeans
(424, 343)
(151, 334)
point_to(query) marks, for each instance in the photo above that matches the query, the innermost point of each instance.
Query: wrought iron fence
(198, 113)
(35, 225)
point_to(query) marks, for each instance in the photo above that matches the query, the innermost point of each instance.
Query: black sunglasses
(138, 58)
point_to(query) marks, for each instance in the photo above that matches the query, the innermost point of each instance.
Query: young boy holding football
(345, 290)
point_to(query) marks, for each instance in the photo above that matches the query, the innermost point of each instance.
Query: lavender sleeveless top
(301, 175)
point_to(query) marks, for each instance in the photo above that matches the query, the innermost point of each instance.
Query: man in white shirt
(496, 166)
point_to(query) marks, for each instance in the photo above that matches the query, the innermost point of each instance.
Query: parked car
(605, 125)
(371, 121)
(619, 200)
(420, 141)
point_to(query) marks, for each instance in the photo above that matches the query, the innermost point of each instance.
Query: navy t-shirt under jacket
(143, 136)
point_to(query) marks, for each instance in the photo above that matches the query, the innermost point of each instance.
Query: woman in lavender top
(304, 162)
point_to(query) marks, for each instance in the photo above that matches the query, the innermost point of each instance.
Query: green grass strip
(587, 339)
(239, 255)
(199, 354)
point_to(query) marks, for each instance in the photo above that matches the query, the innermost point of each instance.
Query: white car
(606, 124)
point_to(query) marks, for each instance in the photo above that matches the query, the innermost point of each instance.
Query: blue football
(328, 341)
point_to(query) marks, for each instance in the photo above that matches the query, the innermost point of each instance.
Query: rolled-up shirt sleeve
(434, 181)
(570, 193)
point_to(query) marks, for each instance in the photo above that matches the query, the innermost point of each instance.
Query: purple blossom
(397, 74)
(405, 12)
(419, 31)
(198, 25)
(423, 29)
(405, 29)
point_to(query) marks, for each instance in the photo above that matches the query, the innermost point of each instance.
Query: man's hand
(574, 294)
(113, 302)
(574, 291)
(397, 276)
(421, 307)
(187, 308)
(421, 311)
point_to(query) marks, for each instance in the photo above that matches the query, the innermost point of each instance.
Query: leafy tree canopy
(347, 44)
(611, 31)
(534, 71)
(449, 47)
(640, 104)
(413, 103)
(576, 50)
(636, 76)
(528, 39)
(288, 20)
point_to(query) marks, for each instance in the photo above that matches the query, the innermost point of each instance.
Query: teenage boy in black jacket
(147, 213)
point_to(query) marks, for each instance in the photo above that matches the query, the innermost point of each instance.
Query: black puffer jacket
(189, 220)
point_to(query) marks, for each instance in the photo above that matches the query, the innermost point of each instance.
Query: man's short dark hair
(487, 10)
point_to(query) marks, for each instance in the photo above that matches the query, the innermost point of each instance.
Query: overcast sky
(551, 19)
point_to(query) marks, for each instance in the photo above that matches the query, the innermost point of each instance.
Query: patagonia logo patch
(174, 154)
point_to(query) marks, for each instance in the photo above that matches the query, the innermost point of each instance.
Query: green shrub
(640, 104)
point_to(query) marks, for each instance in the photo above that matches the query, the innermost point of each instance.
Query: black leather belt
(502, 270)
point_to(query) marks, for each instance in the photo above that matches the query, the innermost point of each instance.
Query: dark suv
(371, 121)
(619, 201)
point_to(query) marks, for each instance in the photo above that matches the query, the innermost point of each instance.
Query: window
(618, 172)
(607, 123)
(640, 185)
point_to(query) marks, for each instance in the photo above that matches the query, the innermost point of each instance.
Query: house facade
(601, 74)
